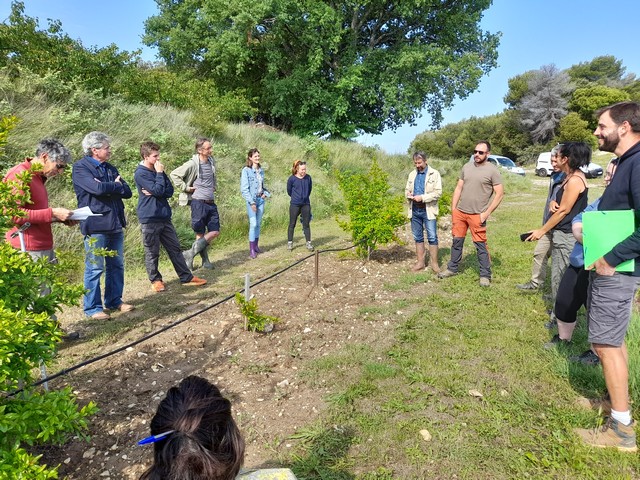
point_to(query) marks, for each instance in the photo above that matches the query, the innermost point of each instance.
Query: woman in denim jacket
(253, 191)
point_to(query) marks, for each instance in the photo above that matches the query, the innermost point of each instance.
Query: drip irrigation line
(66, 371)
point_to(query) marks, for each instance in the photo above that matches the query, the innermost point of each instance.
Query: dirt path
(260, 373)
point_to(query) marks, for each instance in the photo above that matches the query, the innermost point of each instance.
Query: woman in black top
(571, 199)
(299, 188)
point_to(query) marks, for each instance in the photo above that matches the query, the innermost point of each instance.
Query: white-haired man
(98, 185)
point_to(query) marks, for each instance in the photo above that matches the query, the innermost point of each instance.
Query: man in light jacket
(196, 180)
(423, 189)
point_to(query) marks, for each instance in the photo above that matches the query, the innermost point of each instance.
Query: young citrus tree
(28, 335)
(374, 212)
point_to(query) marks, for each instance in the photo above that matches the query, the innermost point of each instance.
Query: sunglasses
(61, 166)
(479, 152)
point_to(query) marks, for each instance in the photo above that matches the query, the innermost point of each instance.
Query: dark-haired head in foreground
(204, 443)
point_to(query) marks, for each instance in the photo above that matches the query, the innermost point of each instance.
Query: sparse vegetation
(255, 321)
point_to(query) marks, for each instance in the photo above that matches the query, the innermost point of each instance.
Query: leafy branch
(255, 321)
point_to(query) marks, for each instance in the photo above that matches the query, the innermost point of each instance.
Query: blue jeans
(420, 222)
(255, 219)
(94, 265)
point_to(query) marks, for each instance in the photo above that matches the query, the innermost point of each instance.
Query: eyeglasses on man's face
(479, 152)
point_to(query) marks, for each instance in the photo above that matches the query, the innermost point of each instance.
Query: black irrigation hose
(166, 327)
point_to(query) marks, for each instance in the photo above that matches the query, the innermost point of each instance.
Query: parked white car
(544, 168)
(505, 163)
(543, 165)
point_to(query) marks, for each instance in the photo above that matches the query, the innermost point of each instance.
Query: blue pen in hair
(154, 438)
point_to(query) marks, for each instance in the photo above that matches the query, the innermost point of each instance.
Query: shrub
(256, 321)
(374, 212)
(7, 123)
(29, 333)
(444, 203)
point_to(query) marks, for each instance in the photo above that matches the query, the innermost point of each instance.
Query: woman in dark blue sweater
(299, 188)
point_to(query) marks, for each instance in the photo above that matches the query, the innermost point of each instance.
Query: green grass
(456, 337)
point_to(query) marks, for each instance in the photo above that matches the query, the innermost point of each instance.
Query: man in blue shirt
(423, 189)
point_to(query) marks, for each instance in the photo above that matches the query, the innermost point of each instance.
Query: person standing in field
(542, 251)
(98, 185)
(478, 193)
(196, 180)
(611, 293)
(254, 193)
(574, 285)
(154, 214)
(299, 186)
(571, 199)
(423, 189)
(52, 157)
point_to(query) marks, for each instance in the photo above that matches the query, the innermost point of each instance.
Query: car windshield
(506, 162)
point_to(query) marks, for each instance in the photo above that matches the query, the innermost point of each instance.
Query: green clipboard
(603, 230)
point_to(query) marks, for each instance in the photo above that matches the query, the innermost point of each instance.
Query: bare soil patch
(260, 373)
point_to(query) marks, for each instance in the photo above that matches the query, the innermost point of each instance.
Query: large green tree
(331, 67)
(586, 100)
(603, 70)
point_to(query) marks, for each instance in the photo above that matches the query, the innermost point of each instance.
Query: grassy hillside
(45, 108)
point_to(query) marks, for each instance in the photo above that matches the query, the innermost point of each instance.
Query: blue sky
(534, 33)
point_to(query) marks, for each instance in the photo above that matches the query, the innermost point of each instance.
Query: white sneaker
(309, 246)
(290, 245)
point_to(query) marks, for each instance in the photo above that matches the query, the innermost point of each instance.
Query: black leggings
(294, 212)
(572, 294)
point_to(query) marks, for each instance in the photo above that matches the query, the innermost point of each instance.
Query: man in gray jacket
(196, 182)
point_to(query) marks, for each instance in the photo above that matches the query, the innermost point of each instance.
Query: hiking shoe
(587, 358)
(611, 434)
(485, 282)
(602, 404)
(529, 286)
(447, 273)
(309, 246)
(555, 341)
(158, 286)
(551, 324)
(290, 245)
(99, 316)
(123, 307)
(70, 336)
(195, 282)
